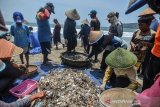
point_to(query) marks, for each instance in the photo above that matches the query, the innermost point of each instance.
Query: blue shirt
(154, 25)
(21, 35)
(44, 31)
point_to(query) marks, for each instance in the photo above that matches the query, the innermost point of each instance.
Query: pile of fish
(68, 88)
(75, 56)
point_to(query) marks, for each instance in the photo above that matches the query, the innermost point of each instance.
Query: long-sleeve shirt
(69, 30)
(133, 85)
(19, 103)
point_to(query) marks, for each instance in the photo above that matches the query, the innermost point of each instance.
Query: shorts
(46, 47)
(25, 49)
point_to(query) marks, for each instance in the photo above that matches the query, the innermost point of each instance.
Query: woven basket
(75, 63)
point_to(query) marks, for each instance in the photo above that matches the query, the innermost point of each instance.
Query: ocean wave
(125, 34)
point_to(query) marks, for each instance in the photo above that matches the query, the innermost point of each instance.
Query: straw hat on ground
(146, 12)
(85, 21)
(2, 23)
(72, 14)
(94, 36)
(117, 97)
(2, 66)
(8, 49)
(121, 59)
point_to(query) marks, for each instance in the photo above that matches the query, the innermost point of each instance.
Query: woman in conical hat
(7, 51)
(121, 63)
(149, 13)
(96, 40)
(69, 31)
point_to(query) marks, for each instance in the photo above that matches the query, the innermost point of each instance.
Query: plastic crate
(25, 88)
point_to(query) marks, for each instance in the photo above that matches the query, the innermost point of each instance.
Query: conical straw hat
(72, 14)
(147, 11)
(117, 97)
(8, 49)
(2, 66)
(94, 36)
(85, 21)
(121, 59)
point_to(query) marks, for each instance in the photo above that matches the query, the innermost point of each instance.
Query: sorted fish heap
(68, 88)
(75, 56)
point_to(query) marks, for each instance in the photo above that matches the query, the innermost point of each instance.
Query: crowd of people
(119, 64)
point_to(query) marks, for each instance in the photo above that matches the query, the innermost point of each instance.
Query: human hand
(102, 87)
(40, 95)
(133, 46)
(22, 65)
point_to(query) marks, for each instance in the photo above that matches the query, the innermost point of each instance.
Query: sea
(127, 32)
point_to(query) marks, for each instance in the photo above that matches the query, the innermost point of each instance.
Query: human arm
(12, 30)
(120, 29)
(23, 102)
(106, 77)
(93, 24)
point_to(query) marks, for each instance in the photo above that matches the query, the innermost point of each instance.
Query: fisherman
(95, 26)
(57, 33)
(69, 31)
(142, 43)
(84, 34)
(21, 35)
(44, 32)
(120, 71)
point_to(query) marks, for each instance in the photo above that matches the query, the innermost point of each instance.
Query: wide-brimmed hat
(2, 23)
(8, 49)
(94, 36)
(72, 14)
(117, 97)
(2, 66)
(85, 21)
(121, 59)
(146, 12)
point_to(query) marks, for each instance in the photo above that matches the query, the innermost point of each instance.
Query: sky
(103, 7)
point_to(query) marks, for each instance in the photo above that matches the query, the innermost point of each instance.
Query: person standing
(69, 31)
(57, 33)
(142, 43)
(95, 26)
(84, 33)
(44, 32)
(21, 35)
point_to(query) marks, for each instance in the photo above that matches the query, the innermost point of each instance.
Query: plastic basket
(25, 88)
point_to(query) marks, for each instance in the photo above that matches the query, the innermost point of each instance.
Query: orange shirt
(156, 48)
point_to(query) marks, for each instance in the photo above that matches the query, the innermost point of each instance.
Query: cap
(94, 12)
